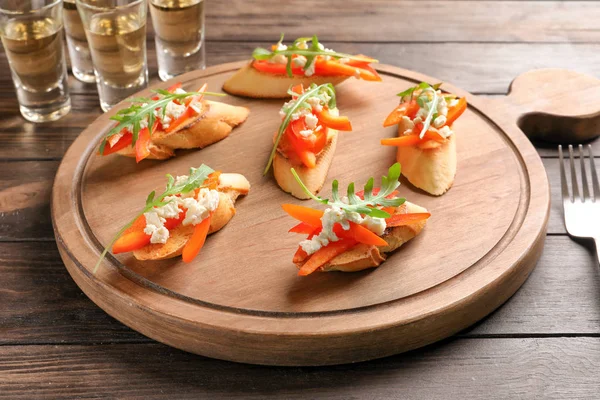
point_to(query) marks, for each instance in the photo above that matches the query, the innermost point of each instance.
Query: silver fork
(582, 211)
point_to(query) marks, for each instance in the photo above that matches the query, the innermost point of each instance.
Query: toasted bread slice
(313, 178)
(364, 256)
(214, 123)
(431, 168)
(230, 187)
(249, 82)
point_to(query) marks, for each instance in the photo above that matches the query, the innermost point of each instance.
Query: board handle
(555, 105)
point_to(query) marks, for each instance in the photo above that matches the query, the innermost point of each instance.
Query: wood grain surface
(40, 304)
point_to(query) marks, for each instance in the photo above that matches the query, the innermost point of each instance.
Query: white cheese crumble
(306, 133)
(281, 47)
(445, 131)
(344, 60)
(311, 121)
(155, 228)
(439, 121)
(299, 61)
(300, 113)
(310, 70)
(453, 103)
(198, 209)
(278, 59)
(315, 102)
(335, 215)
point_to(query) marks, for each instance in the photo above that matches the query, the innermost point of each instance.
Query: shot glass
(32, 37)
(79, 52)
(179, 36)
(116, 35)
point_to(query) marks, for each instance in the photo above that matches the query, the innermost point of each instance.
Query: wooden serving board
(242, 300)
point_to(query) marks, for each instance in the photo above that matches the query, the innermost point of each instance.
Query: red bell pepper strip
(303, 228)
(142, 145)
(361, 193)
(125, 141)
(276, 69)
(196, 242)
(325, 254)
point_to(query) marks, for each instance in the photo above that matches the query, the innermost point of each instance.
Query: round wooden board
(242, 300)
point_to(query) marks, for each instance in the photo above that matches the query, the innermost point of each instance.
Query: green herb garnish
(424, 101)
(368, 205)
(311, 52)
(326, 94)
(142, 108)
(195, 180)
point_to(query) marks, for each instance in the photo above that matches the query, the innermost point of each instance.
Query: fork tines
(575, 196)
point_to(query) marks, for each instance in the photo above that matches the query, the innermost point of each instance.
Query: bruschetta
(426, 141)
(177, 221)
(306, 61)
(355, 232)
(306, 138)
(173, 119)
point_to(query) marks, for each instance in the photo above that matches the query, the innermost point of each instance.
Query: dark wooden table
(543, 343)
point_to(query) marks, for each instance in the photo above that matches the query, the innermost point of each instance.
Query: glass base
(83, 76)
(165, 76)
(38, 115)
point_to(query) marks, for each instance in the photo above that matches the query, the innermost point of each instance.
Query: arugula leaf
(368, 205)
(294, 105)
(195, 179)
(142, 108)
(311, 52)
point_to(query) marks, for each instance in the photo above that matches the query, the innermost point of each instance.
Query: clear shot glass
(79, 51)
(116, 35)
(179, 36)
(32, 36)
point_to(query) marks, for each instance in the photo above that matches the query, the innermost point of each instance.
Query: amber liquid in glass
(34, 50)
(179, 27)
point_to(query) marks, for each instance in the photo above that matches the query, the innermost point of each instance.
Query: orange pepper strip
(408, 109)
(194, 245)
(299, 89)
(142, 145)
(456, 111)
(304, 214)
(325, 254)
(131, 241)
(341, 123)
(359, 234)
(202, 89)
(413, 139)
(402, 141)
(406, 219)
(188, 113)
